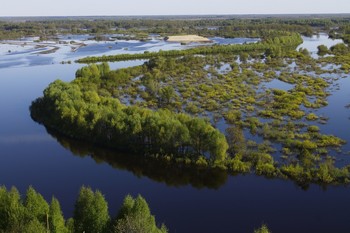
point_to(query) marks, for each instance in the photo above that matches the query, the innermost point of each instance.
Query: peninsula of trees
(196, 106)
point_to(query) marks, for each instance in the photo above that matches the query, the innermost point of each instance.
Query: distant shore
(187, 39)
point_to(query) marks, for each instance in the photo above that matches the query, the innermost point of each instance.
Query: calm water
(311, 43)
(184, 200)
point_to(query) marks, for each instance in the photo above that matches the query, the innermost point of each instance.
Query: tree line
(272, 46)
(31, 213)
(79, 112)
(89, 108)
(224, 26)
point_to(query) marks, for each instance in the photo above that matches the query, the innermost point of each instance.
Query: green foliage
(313, 128)
(135, 216)
(12, 211)
(237, 165)
(262, 229)
(266, 169)
(323, 174)
(202, 162)
(243, 57)
(297, 173)
(34, 226)
(275, 47)
(236, 140)
(339, 49)
(91, 212)
(311, 117)
(305, 52)
(36, 206)
(70, 225)
(233, 116)
(308, 145)
(322, 50)
(82, 114)
(57, 222)
(144, 109)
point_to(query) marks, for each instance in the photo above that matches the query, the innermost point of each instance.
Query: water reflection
(18, 139)
(170, 174)
(311, 43)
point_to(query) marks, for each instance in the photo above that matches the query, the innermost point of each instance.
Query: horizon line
(169, 15)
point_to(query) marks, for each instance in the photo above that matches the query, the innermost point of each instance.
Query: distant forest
(141, 27)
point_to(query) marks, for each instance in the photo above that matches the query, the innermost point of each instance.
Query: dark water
(185, 200)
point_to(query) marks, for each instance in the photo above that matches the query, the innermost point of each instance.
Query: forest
(199, 118)
(214, 135)
(141, 27)
(166, 111)
(31, 213)
(274, 46)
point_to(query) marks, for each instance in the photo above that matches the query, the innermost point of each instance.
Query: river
(185, 202)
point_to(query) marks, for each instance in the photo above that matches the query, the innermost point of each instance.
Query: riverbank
(187, 39)
(45, 47)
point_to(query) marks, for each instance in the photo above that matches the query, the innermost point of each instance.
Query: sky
(167, 7)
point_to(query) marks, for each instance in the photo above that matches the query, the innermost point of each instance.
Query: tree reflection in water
(172, 174)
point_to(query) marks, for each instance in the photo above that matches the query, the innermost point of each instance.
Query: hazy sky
(166, 7)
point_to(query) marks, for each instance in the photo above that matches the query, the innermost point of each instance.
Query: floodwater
(185, 200)
(311, 43)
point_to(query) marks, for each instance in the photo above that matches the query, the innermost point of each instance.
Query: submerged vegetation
(209, 107)
(188, 117)
(197, 110)
(274, 45)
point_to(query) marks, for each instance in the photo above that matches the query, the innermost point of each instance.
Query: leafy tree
(34, 226)
(70, 225)
(56, 219)
(262, 229)
(236, 140)
(165, 95)
(36, 207)
(135, 217)
(91, 212)
(243, 57)
(11, 210)
(322, 50)
(339, 49)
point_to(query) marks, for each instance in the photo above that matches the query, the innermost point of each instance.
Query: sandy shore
(187, 39)
(13, 46)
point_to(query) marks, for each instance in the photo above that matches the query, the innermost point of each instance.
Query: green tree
(166, 94)
(135, 217)
(236, 140)
(339, 49)
(56, 219)
(262, 229)
(11, 210)
(70, 225)
(322, 50)
(34, 226)
(91, 212)
(36, 207)
(243, 57)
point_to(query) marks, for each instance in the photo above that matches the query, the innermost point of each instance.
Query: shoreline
(187, 39)
(48, 47)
